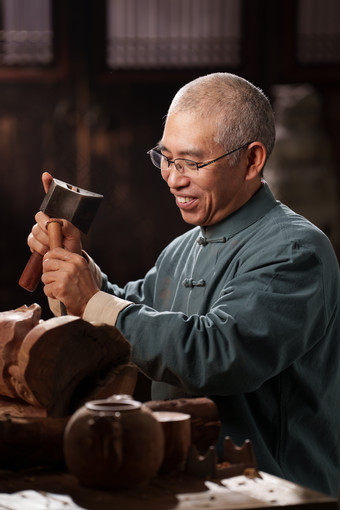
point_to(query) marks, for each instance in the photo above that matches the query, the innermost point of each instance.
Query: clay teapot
(113, 443)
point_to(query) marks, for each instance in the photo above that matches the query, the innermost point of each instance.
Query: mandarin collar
(259, 205)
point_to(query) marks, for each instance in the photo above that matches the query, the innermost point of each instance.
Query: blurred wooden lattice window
(26, 35)
(173, 34)
(318, 32)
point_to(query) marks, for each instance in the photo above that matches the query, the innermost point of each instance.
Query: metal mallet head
(71, 203)
(67, 202)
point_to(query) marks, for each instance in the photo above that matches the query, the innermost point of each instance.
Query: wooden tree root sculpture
(58, 364)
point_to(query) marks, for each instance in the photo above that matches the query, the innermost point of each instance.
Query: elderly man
(243, 308)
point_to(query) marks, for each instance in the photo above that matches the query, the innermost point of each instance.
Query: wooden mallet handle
(31, 275)
(55, 236)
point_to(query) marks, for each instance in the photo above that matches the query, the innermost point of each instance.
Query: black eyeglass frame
(194, 162)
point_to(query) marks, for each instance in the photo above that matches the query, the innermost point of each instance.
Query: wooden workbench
(39, 489)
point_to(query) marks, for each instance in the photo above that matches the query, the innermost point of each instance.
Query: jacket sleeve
(263, 320)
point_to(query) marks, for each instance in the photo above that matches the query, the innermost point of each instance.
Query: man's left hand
(67, 278)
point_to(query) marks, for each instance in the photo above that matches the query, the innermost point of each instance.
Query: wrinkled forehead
(187, 134)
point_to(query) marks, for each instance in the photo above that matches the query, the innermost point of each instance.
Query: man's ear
(256, 158)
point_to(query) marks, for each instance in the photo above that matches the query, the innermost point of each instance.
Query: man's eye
(191, 164)
(164, 162)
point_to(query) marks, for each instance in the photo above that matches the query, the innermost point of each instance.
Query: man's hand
(38, 238)
(67, 278)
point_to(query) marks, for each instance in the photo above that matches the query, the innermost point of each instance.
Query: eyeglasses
(184, 166)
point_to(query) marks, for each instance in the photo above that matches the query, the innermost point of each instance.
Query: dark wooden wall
(92, 128)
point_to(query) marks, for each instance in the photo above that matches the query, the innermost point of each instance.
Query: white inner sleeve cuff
(54, 305)
(96, 272)
(103, 307)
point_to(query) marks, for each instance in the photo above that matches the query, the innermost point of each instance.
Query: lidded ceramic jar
(113, 443)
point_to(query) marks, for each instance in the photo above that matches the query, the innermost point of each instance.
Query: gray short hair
(241, 111)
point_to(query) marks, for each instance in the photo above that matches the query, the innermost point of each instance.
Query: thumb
(46, 180)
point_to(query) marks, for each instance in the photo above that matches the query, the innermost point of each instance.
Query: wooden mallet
(62, 201)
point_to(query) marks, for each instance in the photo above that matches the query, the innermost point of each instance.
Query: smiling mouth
(184, 200)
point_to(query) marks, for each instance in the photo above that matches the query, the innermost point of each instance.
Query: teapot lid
(114, 404)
